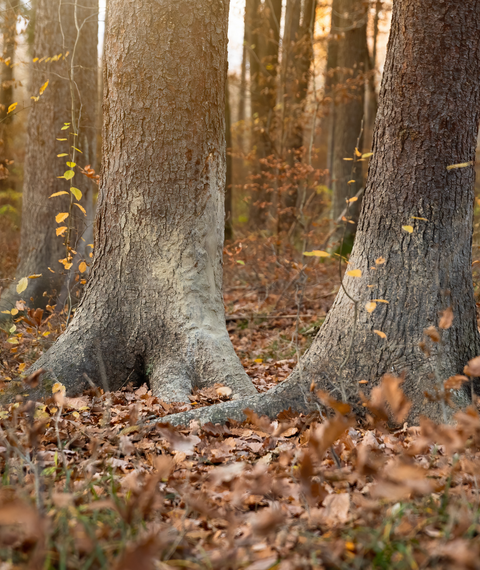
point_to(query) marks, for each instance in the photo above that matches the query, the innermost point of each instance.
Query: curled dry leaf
(455, 382)
(432, 334)
(473, 367)
(33, 380)
(446, 319)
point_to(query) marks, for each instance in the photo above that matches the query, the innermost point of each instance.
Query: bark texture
(153, 306)
(70, 97)
(263, 20)
(9, 35)
(427, 120)
(349, 103)
(297, 55)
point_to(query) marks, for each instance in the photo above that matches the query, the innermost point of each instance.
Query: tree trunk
(153, 306)
(69, 98)
(297, 57)
(264, 20)
(349, 102)
(229, 166)
(9, 34)
(427, 120)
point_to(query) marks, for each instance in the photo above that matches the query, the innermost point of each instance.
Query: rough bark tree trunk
(297, 54)
(65, 100)
(427, 120)
(9, 35)
(350, 103)
(153, 306)
(264, 20)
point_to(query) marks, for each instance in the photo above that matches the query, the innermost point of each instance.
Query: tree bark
(69, 98)
(427, 120)
(352, 56)
(264, 21)
(297, 55)
(9, 35)
(153, 306)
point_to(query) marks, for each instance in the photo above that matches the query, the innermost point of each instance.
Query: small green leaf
(76, 192)
(69, 175)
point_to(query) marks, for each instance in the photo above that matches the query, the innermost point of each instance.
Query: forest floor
(98, 481)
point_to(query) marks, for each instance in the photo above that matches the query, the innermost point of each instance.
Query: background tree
(161, 204)
(414, 240)
(349, 100)
(9, 35)
(263, 20)
(61, 28)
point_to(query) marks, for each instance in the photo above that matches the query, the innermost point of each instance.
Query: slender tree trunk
(350, 104)
(9, 35)
(297, 60)
(70, 97)
(427, 120)
(153, 306)
(265, 35)
(229, 165)
(242, 96)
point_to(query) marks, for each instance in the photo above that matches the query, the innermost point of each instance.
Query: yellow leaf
(461, 165)
(71, 164)
(5, 312)
(351, 182)
(69, 175)
(408, 229)
(60, 217)
(355, 273)
(380, 260)
(43, 87)
(12, 340)
(77, 149)
(357, 152)
(370, 306)
(348, 159)
(81, 208)
(354, 199)
(258, 360)
(367, 154)
(35, 59)
(61, 155)
(58, 387)
(60, 231)
(381, 301)
(34, 98)
(14, 312)
(68, 265)
(61, 140)
(22, 285)
(12, 107)
(380, 334)
(415, 218)
(35, 276)
(50, 269)
(82, 267)
(76, 192)
(58, 194)
(316, 253)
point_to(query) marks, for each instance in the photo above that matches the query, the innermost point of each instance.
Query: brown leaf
(33, 380)
(455, 382)
(446, 319)
(394, 396)
(432, 333)
(473, 367)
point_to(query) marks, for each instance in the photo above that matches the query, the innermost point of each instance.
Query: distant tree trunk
(229, 165)
(371, 102)
(264, 20)
(428, 118)
(9, 35)
(242, 96)
(64, 101)
(297, 58)
(153, 306)
(349, 104)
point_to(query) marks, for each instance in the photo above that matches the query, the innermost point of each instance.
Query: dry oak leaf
(432, 333)
(335, 509)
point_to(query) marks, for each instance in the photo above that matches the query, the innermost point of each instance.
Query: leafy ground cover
(99, 481)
